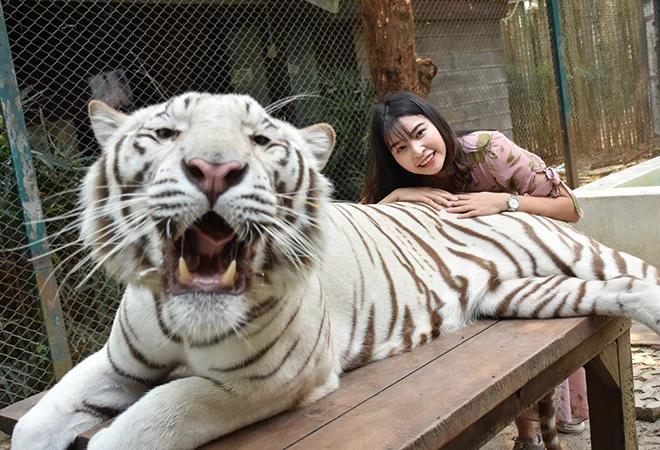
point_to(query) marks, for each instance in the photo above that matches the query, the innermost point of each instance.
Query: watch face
(514, 203)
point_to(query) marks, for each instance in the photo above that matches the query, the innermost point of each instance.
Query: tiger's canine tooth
(184, 274)
(227, 279)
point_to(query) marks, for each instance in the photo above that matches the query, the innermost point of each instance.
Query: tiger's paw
(43, 432)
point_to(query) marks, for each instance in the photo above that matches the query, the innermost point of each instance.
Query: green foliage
(58, 167)
(348, 100)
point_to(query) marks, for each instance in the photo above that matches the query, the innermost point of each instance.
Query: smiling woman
(416, 156)
(423, 149)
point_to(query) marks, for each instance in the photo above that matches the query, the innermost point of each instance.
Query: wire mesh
(607, 58)
(132, 54)
(24, 363)
(495, 72)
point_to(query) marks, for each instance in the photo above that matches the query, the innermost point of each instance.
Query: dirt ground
(648, 438)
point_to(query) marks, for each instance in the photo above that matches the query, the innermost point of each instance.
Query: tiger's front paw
(136, 438)
(34, 432)
(104, 440)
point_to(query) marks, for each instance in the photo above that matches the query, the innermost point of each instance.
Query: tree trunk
(389, 33)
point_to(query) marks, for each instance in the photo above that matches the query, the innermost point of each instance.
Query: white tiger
(239, 269)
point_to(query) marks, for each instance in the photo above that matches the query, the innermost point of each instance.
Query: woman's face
(424, 153)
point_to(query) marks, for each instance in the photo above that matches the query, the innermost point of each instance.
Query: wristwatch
(513, 203)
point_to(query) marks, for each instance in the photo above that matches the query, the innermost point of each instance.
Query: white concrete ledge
(624, 217)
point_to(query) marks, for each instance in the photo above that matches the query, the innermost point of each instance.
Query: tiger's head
(204, 194)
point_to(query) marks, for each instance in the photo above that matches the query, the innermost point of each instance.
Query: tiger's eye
(166, 133)
(260, 139)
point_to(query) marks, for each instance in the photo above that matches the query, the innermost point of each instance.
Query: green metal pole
(554, 18)
(32, 213)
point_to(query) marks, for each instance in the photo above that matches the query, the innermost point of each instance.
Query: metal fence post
(32, 213)
(554, 17)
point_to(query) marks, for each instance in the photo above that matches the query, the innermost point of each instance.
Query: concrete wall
(470, 88)
(624, 218)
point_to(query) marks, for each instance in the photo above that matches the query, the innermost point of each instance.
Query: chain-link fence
(606, 57)
(496, 71)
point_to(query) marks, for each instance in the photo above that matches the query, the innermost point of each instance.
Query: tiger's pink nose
(213, 179)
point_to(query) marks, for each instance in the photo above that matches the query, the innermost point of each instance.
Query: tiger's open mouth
(209, 258)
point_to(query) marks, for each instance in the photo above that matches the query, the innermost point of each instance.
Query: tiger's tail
(565, 296)
(546, 407)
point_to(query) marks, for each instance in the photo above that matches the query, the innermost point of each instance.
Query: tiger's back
(441, 273)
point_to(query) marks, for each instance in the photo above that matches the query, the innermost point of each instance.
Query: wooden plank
(455, 113)
(612, 407)
(483, 116)
(475, 121)
(606, 365)
(448, 62)
(501, 123)
(444, 102)
(480, 40)
(471, 96)
(473, 77)
(356, 387)
(329, 5)
(528, 357)
(627, 391)
(495, 420)
(432, 406)
(493, 10)
(460, 31)
(10, 415)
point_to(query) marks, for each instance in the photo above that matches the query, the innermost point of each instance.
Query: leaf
(510, 157)
(513, 184)
(485, 141)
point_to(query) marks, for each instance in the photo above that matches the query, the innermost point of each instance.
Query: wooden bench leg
(612, 398)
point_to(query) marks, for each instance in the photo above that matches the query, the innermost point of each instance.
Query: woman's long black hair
(384, 174)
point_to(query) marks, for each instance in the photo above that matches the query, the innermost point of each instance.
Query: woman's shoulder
(482, 140)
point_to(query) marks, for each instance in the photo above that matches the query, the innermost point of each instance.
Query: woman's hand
(477, 204)
(430, 196)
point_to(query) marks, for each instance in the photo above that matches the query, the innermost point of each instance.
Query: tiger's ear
(320, 139)
(105, 120)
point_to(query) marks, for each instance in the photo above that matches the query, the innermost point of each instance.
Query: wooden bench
(456, 392)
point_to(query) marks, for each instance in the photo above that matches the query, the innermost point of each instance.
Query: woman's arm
(506, 167)
(561, 207)
(484, 203)
(430, 196)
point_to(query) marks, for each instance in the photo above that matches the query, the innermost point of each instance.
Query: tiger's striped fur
(318, 288)
(546, 408)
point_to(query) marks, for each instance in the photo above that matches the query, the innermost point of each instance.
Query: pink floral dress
(499, 165)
